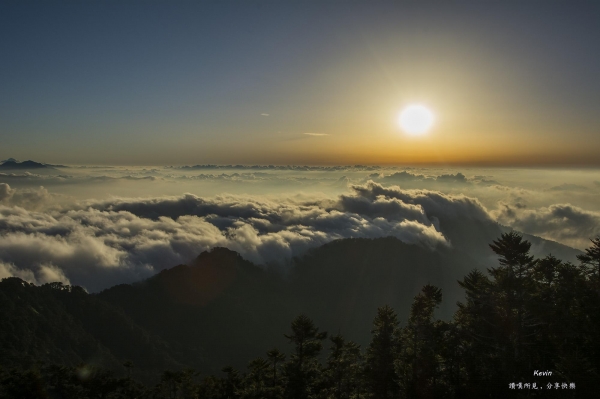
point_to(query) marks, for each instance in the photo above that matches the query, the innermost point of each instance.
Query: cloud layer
(41, 274)
(97, 244)
(60, 233)
(28, 198)
(564, 223)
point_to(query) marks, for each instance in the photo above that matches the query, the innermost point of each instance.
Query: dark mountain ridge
(12, 164)
(222, 298)
(224, 310)
(223, 306)
(60, 324)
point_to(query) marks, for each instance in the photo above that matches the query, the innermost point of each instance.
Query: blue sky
(184, 82)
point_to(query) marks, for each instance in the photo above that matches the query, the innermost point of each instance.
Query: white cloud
(100, 243)
(97, 243)
(27, 198)
(42, 274)
(564, 223)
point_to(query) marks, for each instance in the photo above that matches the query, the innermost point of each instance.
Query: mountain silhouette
(13, 164)
(224, 310)
(61, 324)
(218, 310)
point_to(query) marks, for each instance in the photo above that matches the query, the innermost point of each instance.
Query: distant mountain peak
(9, 160)
(12, 163)
(220, 254)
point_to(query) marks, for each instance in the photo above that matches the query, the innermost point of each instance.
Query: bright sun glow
(416, 119)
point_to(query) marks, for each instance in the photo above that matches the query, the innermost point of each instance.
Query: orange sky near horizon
(209, 83)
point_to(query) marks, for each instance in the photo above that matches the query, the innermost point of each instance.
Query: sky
(271, 128)
(305, 83)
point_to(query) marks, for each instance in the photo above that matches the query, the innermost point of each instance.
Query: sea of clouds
(102, 226)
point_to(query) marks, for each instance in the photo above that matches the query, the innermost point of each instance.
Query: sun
(416, 119)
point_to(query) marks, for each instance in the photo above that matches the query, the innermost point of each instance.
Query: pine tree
(232, 383)
(276, 357)
(420, 363)
(255, 385)
(591, 259)
(513, 284)
(589, 300)
(344, 369)
(303, 369)
(380, 372)
(479, 335)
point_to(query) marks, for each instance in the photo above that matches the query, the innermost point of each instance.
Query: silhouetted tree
(380, 374)
(591, 259)
(477, 327)
(343, 372)
(211, 387)
(302, 371)
(27, 384)
(255, 384)
(589, 308)
(513, 285)
(232, 383)
(420, 363)
(276, 357)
